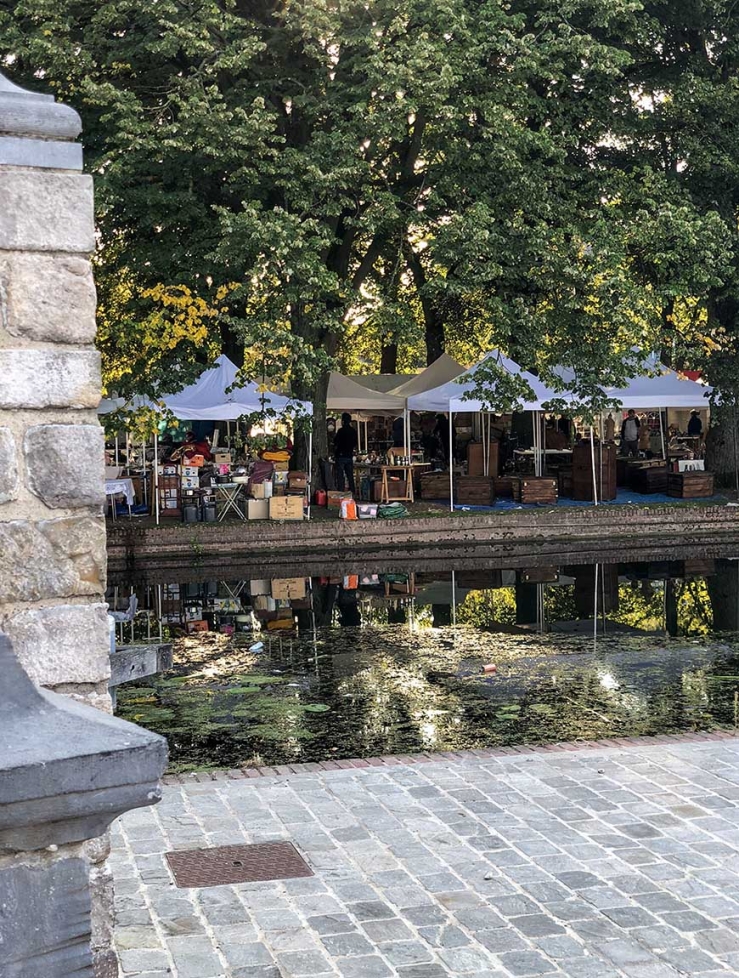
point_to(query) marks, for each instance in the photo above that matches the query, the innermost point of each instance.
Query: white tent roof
(345, 394)
(439, 372)
(448, 397)
(666, 389)
(209, 399)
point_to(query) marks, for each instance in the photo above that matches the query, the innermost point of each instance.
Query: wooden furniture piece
(533, 489)
(605, 471)
(475, 460)
(648, 478)
(690, 485)
(386, 471)
(435, 485)
(170, 495)
(475, 490)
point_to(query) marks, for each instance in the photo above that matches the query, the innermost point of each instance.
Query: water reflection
(276, 669)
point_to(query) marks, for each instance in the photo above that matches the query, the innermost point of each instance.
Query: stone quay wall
(52, 528)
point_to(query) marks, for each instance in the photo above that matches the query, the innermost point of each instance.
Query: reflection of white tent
(439, 372)
(345, 394)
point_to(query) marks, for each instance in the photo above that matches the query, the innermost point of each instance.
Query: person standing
(345, 446)
(630, 434)
(695, 425)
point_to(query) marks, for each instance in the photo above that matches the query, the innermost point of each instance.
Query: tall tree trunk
(389, 358)
(723, 589)
(433, 322)
(722, 445)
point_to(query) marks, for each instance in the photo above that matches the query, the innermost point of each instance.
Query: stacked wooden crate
(690, 485)
(648, 478)
(503, 485)
(535, 489)
(475, 490)
(476, 461)
(435, 485)
(582, 471)
(564, 483)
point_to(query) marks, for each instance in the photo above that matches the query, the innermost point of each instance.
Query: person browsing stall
(630, 434)
(695, 425)
(345, 447)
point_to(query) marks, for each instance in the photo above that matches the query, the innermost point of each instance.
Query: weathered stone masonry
(56, 796)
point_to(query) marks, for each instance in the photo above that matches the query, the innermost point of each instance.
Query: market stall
(183, 488)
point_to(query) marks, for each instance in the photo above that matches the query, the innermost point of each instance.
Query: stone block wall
(52, 527)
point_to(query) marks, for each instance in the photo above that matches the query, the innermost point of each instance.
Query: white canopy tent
(211, 399)
(449, 398)
(345, 394)
(441, 371)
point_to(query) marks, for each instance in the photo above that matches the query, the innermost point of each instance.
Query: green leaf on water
(316, 708)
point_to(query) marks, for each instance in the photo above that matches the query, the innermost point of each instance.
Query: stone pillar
(52, 541)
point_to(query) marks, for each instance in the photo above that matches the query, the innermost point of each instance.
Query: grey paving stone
(526, 963)
(628, 917)
(688, 920)
(268, 971)
(371, 910)
(371, 966)
(537, 925)
(306, 963)
(403, 953)
(345, 945)
(444, 936)
(465, 960)
(331, 924)
(195, 957)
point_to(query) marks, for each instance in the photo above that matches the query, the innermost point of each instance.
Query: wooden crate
(690, 485)
(396, 489)
(475, 490)
(503, 486)
(535, 489)
(649, 479)
(564, 483)
(605, 471)
(435, 485)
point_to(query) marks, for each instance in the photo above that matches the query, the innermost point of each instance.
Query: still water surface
(393, 663)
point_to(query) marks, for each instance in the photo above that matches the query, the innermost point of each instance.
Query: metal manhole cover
(237, 864)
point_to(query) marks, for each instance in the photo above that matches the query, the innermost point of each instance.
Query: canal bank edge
(540, 532)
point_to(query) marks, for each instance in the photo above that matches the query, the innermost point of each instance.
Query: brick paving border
(393, 760)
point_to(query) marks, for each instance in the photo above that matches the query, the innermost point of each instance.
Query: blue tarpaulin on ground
(623, 498)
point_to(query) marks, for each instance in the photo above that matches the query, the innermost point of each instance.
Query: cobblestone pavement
(590, 864)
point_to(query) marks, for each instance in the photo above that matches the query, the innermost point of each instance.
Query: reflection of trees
(483, 609)
(723, 591)
(640, 605)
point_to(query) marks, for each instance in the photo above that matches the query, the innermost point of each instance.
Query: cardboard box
(188, 482)
(263, 602)
(286, 508)
(190, 470)
(281, 466)
(222, 458)
(287, 588)
(169, 470)
(261, 490)
(258, 587)
(281, 625)
(257, 509)
(335, 497)
(197, 626)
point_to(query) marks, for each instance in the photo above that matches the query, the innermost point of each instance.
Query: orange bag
(349, 510)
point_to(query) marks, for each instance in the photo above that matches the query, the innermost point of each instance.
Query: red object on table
(321, 497)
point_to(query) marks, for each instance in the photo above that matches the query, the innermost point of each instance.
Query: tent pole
(454, 598)
(116, 448)
(156, 475)
(592, 462)
(310, 465)
(406, 442)
(451, 463)
(662, 435)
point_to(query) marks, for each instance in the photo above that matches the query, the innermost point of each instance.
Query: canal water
(377, 662)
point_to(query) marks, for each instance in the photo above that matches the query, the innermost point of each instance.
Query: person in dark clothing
(442, 433)
(345, 445)
(695, 425)
(399, 432)
(630, 434)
